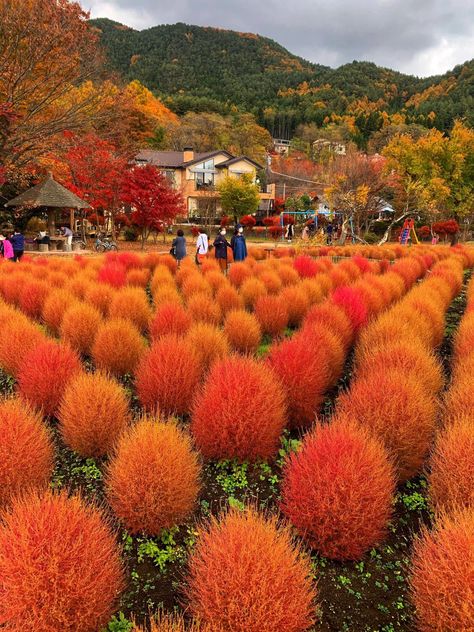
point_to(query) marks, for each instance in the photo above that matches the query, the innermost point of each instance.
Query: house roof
(235, 159)
(175, 159)
(49, 193)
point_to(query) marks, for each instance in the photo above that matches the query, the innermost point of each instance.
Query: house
(197, 175)
(324, 146)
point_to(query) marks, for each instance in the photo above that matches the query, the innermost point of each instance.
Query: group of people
(237, 245)
(13, 247)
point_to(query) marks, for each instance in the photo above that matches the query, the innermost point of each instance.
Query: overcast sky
(421, 37)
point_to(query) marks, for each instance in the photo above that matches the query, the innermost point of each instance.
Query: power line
(285, 175)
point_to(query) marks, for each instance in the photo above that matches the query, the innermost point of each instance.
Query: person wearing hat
(238, 244)
(6, 249)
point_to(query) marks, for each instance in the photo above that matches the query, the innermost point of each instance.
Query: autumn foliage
(246, 573)
(118, 347)
(92, 414)
(153, 478)
(26, 450)
(441, 581)
(55, 545)
(79, 326)
(240, 412)
(170, 318)
(243, 331)
(45, 373)
(332, 460)
(168, 376)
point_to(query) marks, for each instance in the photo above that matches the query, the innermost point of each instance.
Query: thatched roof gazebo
(50, 195)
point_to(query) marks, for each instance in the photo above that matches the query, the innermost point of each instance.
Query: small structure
(49, 195)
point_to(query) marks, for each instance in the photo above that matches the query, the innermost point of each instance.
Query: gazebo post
(51, 220)
(71, 219)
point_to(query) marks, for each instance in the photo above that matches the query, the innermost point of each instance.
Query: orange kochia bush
(163, 622)
(240, 412)
(332, 460)
(153, 478)
(45, 373)
(79, 326)
(60, 566)
(26, 450)
(170, 318)
(168, 376)
(118, 347)
(246, 574)
(400, 412)
(92, 414)
(442, 577)
(243, 331)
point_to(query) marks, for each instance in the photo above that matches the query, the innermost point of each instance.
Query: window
(204, 174)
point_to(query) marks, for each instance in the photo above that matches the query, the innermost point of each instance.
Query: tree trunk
(391, 225)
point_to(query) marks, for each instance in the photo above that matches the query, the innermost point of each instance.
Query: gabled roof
(206, 156)
(49, 193)
(233, 160)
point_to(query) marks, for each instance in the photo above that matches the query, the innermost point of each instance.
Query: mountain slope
(204, 68)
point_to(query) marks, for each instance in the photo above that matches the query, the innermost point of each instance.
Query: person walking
(6, 249)
(329, 231)
(239, 245)
(67, 232)
(202, 246)
(18, 242)
(221, 244)
(179, 247)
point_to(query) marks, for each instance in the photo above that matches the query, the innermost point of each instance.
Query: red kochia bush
(170, 318)
(272, 315)
(55, 306)
(153, 478)
(26, 450)
(240, 412)
(451, 480)
(113, 274)
(303, 367)
(400, 412)
(247, 574)
(228, 299)
(334, 318)
(32, 297)
(352, 303)
(93, 413)
(46, 371)
(306, 266)
(164, 622)
(168, 376)
(18, 338)
(442, 577)
(60, 566)
(333, 459)
(118, 347)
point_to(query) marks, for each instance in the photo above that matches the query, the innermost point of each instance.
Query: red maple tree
(154, 202)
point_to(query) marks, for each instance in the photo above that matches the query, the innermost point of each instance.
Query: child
(6, 249)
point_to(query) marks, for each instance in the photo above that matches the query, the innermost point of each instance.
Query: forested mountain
(208, 69)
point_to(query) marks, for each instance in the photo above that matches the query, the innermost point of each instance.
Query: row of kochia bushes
(246, 572)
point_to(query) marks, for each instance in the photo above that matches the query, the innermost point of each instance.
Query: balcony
(205, 186)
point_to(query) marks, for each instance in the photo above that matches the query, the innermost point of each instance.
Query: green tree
(239, 196)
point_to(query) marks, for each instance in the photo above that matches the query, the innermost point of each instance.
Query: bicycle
(105, 244)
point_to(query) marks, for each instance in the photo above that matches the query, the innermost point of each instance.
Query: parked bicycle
(102, 244)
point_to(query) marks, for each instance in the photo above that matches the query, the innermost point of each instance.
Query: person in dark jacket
(18, 242)
(179, 246)
(221, 244)
(239, 245)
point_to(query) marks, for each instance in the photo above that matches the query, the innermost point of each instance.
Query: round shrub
(228, 299)
(409, 356)
(131, 303)
(451, 479)
(204, 309)
(303, 367)
(19, 336)
(208, 342)
(334, 318)
(242, 330)
(271, 281)
(353, 304)
(99, 296)
(79, 326)
(118, 347)
(153, 478)
(332, 460)
(55, 306)
(272, 315)
(26, 450)
(168, 376)
(60, 565)
(92, 414)
(113, 274)
(240, 412)
(163, 622)
(296, 302)
(239, 272)
(246, 573)
(45, 373)
(400, 412)
(251, 290)
(170, 318)
(441, 581)
(33, 294)
(306, 266)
